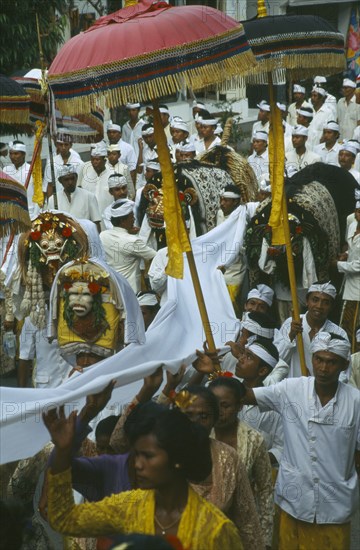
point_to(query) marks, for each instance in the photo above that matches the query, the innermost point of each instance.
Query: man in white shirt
(147, 152)
(262, 124)
(18, 170)
(124, 250)
(259, 159)
(317, 488)
(179, 134)
(209, 139)
(78, 202)
(300, 157)
(128, 155)
(94, 177)
(131, 130)
(118, 189)
(299, 97)
(329, 149)
(4, 155)
(116, 166)
(320, 300)
(348, 112)
(347, 156)
(65, 155)
(321, 114)
(330, 100)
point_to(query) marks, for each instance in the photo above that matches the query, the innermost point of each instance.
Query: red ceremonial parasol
(146, 51)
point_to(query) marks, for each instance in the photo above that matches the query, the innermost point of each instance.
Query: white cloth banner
(171, 340)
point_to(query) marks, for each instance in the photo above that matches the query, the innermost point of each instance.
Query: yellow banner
(38, 196)
(277, 167)
(176, 236)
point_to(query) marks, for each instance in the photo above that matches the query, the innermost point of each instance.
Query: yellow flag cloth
(277, 166)
(38, 196)
(176, 236)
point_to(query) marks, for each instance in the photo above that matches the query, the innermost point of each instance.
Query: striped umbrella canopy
(14, 214)
(85, 128)
(14, 103)
(303, 45)
(146, 51)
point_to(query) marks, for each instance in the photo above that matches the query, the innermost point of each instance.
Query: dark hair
(147, 126)
(106, 426)
(13, 522)
(185, 442)
(233, 189)
(208, 397)
(232, 384)
(263, 319)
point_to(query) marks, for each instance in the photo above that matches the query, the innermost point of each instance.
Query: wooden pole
(286, 228)
(166, 165)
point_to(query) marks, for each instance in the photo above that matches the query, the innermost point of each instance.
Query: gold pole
(277, 162)
(166, 168)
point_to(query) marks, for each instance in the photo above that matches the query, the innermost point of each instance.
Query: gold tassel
(261, 9)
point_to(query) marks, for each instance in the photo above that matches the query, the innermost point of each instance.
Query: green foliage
(18, 38)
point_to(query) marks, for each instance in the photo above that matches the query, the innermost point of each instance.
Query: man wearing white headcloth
(131, 130)
(230, 198)
(65, 155)
(349, 264)
(259, 159)
(94, 176)
(124, 250)
(262, 124)
(187, 151)
(128, 155)
(118, 189)
(320, 300)
(209, 139)
(78, 202)
(346, 158)
(317, 488)
(348, 111)
(147, 152)
(322, 114)
(330, 100)
(329, 147)
(19, 169)
(179, 134)
(115, 164)
(299, 97)
(300, 156)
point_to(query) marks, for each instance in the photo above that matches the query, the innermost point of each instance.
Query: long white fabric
(171, 340)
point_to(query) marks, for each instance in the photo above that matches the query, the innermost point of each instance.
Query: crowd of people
(250, 447)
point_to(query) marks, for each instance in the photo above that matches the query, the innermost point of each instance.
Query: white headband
(263, 136)
(308, 114)
(125, 209)
(263, 106)
(209, 121)
(230, 195)
(116, 180)
(114, 147)
(323, 342)
(198, 104)
(164, 110)
(99, 151)
(114, 127)
(262, 292)
(17, 147)
(187, 147)
(357, 205)
(347, 83)
(179, 125)
(132, 106)
(325, 288)
(320, 80)
(281, 106)
(299, 89)
(332, 125)
(349, 148)
(66, 169)
(148, 132)
(318, 90)
(300, 130)
(147, 299)
(255, 328)
(262, 353)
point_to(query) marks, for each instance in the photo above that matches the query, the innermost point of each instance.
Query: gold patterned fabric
(300, 535)
(201, 526)
(229, 489)
(253, 453)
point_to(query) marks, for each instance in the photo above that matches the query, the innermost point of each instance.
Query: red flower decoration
(46, 226)
(227, 374)
(35, 235)
(298, 230)
(94, 288)
(67, 286)
(66, 232)
(181, 196)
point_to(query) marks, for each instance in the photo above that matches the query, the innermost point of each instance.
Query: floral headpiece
(97, 279)
(182, 400)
